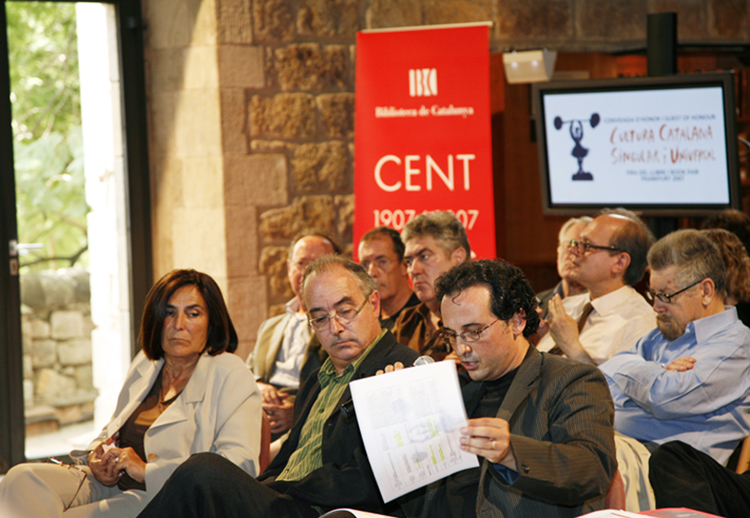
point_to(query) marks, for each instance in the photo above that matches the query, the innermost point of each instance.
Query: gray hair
(694, 255)
(584, 220)
(443, 227)
(330, 262)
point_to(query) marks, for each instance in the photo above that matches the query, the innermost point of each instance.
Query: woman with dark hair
(182, 396)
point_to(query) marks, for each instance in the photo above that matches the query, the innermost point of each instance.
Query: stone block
(273, 21)
(66, 324)
(547, 19)
(234, 21)
(304, 212)
(81, 284)
(242, 241)
(692, 16)
(201, 70)
(456, 11)
(28, 366)
(84, 376)
(203, 13)
(168, 23)
(197, 123)
(51, 386)
(321, 167)
(241, 66)
(273, 265)
(328, 18)
(28, 393)
(161, 123)
(312, 67)
(59, 290)
(393, 13)
(271, 146)
(32, 291)
(283, 116)
(337, 114)
(44, 354)
(234, 136)
(200, 241)
(613, 20)
(246, 301)
(730, 19)
(276, 309)
(201, 182)
(345, 216)
(255, 180)
(166, 69)
(74, 352)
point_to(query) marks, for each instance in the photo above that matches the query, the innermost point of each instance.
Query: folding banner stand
(422, 129)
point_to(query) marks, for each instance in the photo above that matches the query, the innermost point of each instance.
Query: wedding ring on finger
(117, 459)
(492, 444)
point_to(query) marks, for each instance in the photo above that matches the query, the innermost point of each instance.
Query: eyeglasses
(343, 316)
(468, 337)
(380, 264)
(74, 469)
(582, 248)
(667, 299)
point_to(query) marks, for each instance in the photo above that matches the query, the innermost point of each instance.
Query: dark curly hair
(510, 292)
(221, 335)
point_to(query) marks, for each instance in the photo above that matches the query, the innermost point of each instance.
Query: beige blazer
(218, 411)
(270, 335)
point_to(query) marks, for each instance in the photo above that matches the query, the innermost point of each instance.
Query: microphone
(423, 360)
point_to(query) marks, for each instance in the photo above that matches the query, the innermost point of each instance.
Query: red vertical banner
(422, 129)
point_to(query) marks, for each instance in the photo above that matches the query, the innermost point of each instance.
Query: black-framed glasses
(651, 295)
(468, 337)
(582, 248)
(343, 316)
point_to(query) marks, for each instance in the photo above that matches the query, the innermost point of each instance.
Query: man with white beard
(689, 379)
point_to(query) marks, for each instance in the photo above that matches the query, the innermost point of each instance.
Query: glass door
(67, 338)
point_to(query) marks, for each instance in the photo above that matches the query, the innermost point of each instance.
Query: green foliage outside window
(48, 146)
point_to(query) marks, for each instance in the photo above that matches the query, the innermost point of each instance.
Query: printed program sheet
(410, 422)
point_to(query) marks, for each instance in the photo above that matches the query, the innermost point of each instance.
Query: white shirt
(297, 335)
(618, 321)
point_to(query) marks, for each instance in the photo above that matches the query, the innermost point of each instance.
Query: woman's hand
(122, 460)
(100, 468)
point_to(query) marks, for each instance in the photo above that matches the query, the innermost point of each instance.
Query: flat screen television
(658, 146)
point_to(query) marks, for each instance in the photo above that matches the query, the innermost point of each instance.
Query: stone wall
(251, 114)
(57, 371)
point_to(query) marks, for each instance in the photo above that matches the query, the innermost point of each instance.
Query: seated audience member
(323, 464)
(381, 252)
(685, 477)
(435, 242)
(688, 380)
(286, 350)
(737, 264)
(571, 230)
(541, 424)
(610, 258)
(185, 393)
(735, 221)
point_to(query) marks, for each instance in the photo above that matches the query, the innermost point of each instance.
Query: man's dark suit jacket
(345, 479)
(560, 415)
(561, 422)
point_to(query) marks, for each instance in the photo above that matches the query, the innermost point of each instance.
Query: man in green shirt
(323, 464)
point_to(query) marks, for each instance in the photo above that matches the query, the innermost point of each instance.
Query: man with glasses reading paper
(610, 258)
(323, 464)
(688, 380)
